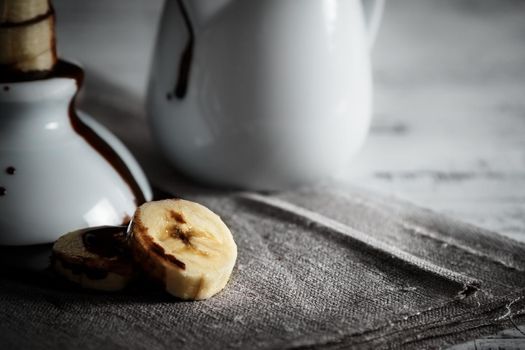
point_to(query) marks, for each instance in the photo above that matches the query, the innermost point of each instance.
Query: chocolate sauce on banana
(106, 241)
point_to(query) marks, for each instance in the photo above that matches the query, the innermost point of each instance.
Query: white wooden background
(449, 121)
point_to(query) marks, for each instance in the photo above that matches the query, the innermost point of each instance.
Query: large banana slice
(184, 245)
(95, 258)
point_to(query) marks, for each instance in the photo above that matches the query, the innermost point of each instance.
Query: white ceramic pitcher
(262, 94)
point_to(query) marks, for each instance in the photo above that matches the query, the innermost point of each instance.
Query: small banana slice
(185, 246)
(95, 258)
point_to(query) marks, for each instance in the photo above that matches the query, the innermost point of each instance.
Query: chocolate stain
(105, 241)
(29, 21)
(3, 191)
(10, 170)
(181, 87)
(68, 70)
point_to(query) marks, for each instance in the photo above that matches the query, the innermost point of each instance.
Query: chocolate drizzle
(105, 241)
(181, 86)
(12, 75)
(68, 70)
(108, 245)
(29, 21)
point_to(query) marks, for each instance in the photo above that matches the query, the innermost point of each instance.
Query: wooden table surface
(449, 122)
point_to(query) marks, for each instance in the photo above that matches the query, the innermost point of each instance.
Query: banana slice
(27, 36)
(185, 246)
(95, 258)
(16, 11)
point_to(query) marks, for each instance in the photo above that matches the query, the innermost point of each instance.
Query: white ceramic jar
(60, 171)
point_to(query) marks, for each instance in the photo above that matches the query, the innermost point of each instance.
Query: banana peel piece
(185, 246)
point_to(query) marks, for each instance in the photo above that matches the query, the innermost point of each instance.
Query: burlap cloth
(316, 269)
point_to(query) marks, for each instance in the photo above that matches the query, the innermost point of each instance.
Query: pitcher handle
(373, 11)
